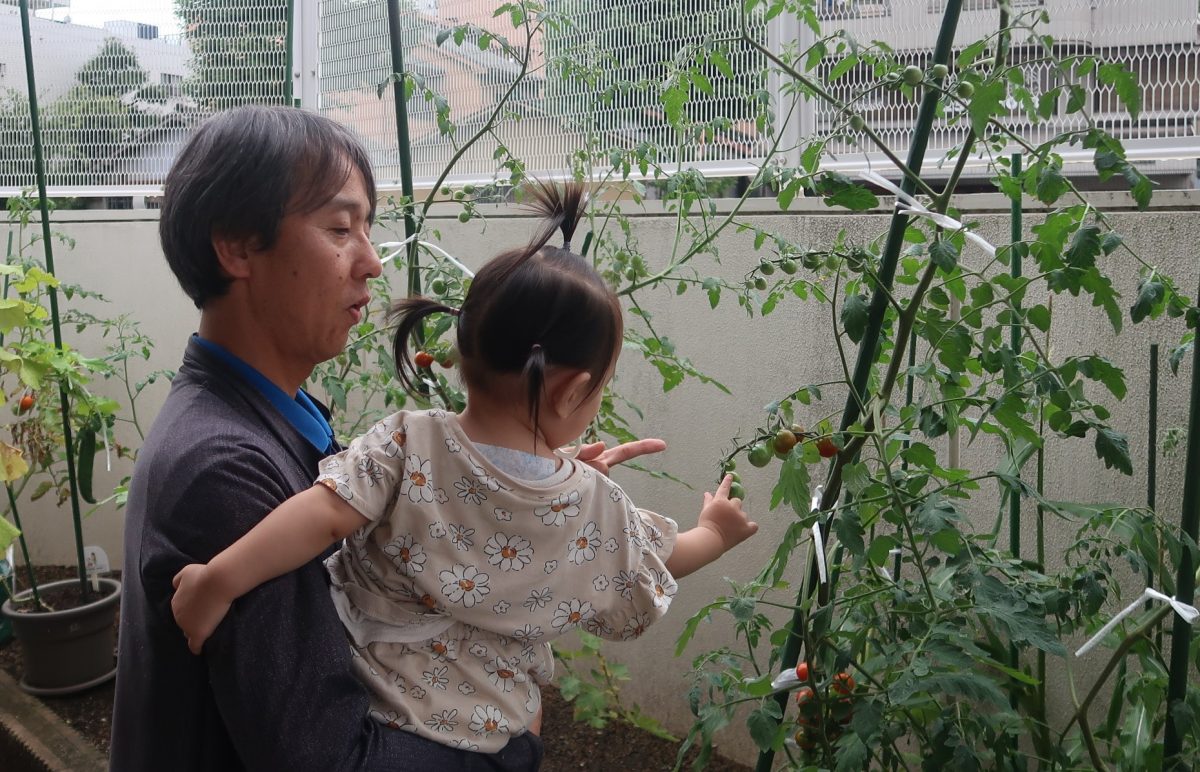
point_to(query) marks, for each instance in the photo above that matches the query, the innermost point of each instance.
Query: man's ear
(233, 255)
(567, 391)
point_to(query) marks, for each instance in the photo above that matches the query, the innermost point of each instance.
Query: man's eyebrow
(343, 203)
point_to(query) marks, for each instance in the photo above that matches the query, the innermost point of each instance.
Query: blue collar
(300, 412)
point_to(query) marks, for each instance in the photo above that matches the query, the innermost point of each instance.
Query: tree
(239, 51)
(614, 59)
(113, 71)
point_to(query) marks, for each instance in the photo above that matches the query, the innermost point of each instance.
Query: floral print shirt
(463, 575)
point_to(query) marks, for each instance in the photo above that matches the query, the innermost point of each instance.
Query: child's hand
(197, 605)
(725, 517)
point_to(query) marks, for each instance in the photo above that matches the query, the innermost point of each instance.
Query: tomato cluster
(826, 718)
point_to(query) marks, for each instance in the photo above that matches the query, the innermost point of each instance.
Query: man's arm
(279, 666)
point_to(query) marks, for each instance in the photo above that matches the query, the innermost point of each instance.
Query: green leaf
(1124, 83)
(1085, 246)
(673, 99)
(1112, 447)
(839, 190)
(986, 103)
(880, 547)
(854, 316)
(1150, 293)
(842, 67)
(763, 723)
(12, 314)
(721, 62)
(793, 484)
(1039, 317)
(1051, 184)
(8, 534)
(944, 254)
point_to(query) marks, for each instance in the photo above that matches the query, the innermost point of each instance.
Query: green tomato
(939, 71)
(788, 266)
(759, 455)
(468, 189)
(913, 75)
(736, 491)
(729, 465)
(766, 268)
(464, 216)
(760, 283)
(965, 90)
(437, 287)
(857, 123)
(445, 190)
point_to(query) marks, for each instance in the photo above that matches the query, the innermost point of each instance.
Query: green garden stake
(1185, 584)
(39, 165)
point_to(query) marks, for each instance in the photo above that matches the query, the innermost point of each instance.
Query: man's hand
(601, 459)
(197, 605)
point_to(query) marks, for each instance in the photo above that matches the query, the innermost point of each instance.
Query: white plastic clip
(818, 539)
(398, 246)
(1189, 614)
(908, 205)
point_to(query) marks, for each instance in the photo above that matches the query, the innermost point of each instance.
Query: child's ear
(568, 391)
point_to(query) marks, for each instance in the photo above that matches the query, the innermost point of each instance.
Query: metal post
(39, 165)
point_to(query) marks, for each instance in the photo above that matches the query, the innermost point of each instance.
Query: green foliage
(239, 50)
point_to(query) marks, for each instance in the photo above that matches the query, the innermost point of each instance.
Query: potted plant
(65, 627)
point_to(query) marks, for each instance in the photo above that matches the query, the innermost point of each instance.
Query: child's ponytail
(407, 315)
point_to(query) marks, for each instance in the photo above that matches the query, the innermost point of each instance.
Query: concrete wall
(759, 359)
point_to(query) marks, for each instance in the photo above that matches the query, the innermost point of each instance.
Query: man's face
(310, 287)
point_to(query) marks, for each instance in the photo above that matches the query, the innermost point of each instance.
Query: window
(171, 83)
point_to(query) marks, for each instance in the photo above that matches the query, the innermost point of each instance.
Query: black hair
(240, 174)
(528, 309)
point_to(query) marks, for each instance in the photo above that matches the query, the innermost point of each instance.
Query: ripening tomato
(26, 403)
(826, 447)
(423, 359)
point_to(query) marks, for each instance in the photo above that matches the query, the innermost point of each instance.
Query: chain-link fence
(119, 92)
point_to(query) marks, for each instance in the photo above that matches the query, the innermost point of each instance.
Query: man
(266, 224)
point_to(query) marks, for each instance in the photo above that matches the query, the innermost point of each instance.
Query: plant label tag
(95, 561)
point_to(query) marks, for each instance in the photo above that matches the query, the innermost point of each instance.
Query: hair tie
(567, 244)
(454, 311)
(534, 348)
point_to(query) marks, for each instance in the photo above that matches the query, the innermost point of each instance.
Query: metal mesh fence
(119, 93)
(1157, 41)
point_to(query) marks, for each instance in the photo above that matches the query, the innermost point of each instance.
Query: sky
(93, 13)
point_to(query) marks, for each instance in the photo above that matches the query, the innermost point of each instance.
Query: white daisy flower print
(453, 445)
(611, 545)
(392, 720)
(587, 541)
(478, 649)
(444, 721)
(460, 537)
(417, 693)
(502, 514)
(339, 484)
(396, 440)
(633, 530)
(571, 613)
(624, 582)
(502, 674)
(664, 587)
(502, 607)
(485, 479)
(600, 583)
(538, 599)
(471, 491)
(444, 649)
(464, 745)
(466, 689)
(635, 627)
(436, 678)
(598, 627)
(464, 584)
(527, 634)
(550, 566)
(437, 530)
(488, 720)
(369, 469)
(615, 494)
(508, 553)
(654, 537)
(417, 484)
(440, 496)
(562, 506)
(406, 555)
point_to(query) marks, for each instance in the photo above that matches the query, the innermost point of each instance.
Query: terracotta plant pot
(70, 650)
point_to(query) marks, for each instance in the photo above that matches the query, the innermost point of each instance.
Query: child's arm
(723, 525)
(297, 531)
